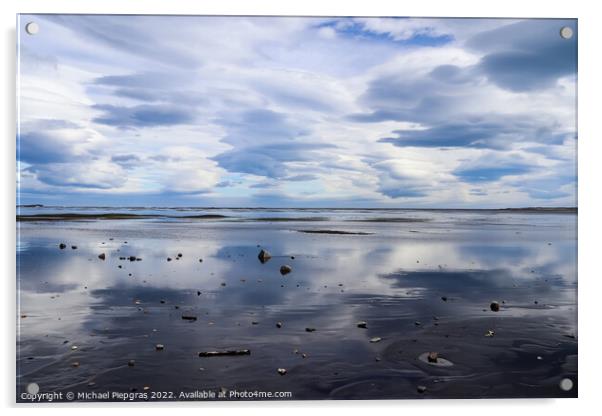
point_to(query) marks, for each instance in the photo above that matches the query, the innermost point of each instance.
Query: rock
(131, 363)
(121, 258)
(120, 267)
(429, 358)
(417, 323)
(169, 259)
(62, 246)
(282, 371)
(102, 256)
(303, 355)
(286, 269)
(75, 364)
(421, 389)
(375, 339)
(189, 317)
(362, 324)
(162, 301)
(278, 324)
(254, 323)
(73, 347)
(495, 306)
(198, 293)
(73, 247)
(200, 260)
(159, 347)
(264, 256)
(444, 298)
(224, 353)
(132, 258)
(310, 329)
(490, 333)
(180, 255)
(223, 284)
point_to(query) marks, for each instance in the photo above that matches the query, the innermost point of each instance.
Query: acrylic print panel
(292, 208)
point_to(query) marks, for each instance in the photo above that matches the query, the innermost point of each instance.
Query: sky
(296, 112)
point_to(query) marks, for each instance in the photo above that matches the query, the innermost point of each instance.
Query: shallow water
(394, 276)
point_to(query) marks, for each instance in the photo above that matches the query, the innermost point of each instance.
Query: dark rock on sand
(102, 256)
(310, 329)
(433, 357)
(189, 317)
(362, 324)
(375, 339)
(264, 256)
(131, 363)
(286, 269)
(421, 389)
(159, 347)
(180, 255)
(278, 324)
(62, 246)
(73, 247)
(224, 353)
(495, 306)
(282, 371)
(169, 259)
(132, 258)
(444, 298)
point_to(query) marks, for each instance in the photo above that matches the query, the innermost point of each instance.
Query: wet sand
(421, 284)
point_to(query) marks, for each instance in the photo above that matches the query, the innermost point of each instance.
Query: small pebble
(278, 324)
(495, 306)
(375, 339)
(421, 389)
(159, 347)
(282, 371)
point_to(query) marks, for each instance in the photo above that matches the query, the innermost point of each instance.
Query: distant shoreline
(519, 209)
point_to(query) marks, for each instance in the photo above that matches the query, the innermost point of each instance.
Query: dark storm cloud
(263, 142)
(42, 148)
(142, 116)
(268, 160)
(489, 173)
(492, 132)
(301, 178)
(527, 55)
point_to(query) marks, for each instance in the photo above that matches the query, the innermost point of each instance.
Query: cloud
(527, 55)
(324, 111)
(268, 160)
(142, 116)
(264, 141)
(126, 161)
(488, 131)
(93, 175)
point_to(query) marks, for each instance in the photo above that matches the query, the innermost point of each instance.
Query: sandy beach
(369, 293)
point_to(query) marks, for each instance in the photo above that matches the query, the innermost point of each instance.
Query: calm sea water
(421, 280)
